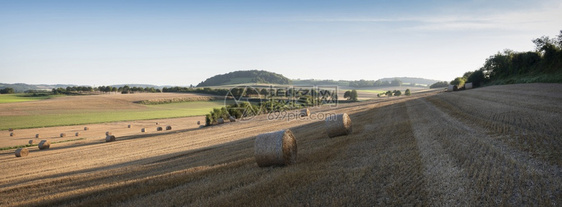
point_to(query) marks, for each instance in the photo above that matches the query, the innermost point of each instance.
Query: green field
(64, 118)
(12, 98)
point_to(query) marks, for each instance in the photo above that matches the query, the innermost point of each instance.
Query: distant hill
(245, 76)
(367, 83)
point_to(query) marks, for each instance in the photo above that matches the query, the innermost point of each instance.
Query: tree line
(544, 64)
(377, 83)
(103, 89)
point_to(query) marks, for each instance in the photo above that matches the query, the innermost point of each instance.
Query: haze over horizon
(185, 42)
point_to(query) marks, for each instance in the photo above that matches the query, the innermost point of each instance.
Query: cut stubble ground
(427, 149)
(75, 110)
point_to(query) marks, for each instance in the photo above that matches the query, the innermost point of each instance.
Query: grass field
(493, 146)
(13, 98)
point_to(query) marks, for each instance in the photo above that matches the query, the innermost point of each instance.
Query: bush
(397, 93)
(388, 93)
(407, 92)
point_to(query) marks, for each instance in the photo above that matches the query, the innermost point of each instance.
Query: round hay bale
(232, 119)
(143, 130)
(22, 152)
(62, 134)
(338, 124)
(129, 126)
(37, 136)
(275, 148)
(10, 129)
(305, 112)
(12, 134)
(198, 122)
(77, 134)
(110, 138)
(86, 128)
(108, 133)
(168, 127)
(31, 141)
(220, 121)
(44, 144)
(159, 129)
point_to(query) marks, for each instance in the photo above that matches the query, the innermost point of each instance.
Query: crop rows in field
(421, 150)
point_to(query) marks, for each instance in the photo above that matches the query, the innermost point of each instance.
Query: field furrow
(445, 178)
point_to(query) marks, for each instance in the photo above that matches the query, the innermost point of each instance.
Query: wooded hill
(245, 76)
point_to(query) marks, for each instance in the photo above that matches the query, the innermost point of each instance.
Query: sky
(185, 42)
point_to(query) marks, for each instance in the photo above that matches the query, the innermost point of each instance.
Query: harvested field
(498, 145)
(99, 109)
(96, 131)
(371, 92)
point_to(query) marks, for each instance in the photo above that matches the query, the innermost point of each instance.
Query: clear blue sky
(185, 42)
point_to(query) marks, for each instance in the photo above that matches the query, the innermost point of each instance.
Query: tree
(353, 95)
(346, 95)
(466, 75)
(126, 89)
(407, 92)
(7, 91)
(476, 78)
(459, 82)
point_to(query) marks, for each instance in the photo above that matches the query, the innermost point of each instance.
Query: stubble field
(498, 145)
(75, 110)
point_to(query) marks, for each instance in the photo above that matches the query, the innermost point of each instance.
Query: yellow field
(498, 145)
(88, 109)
